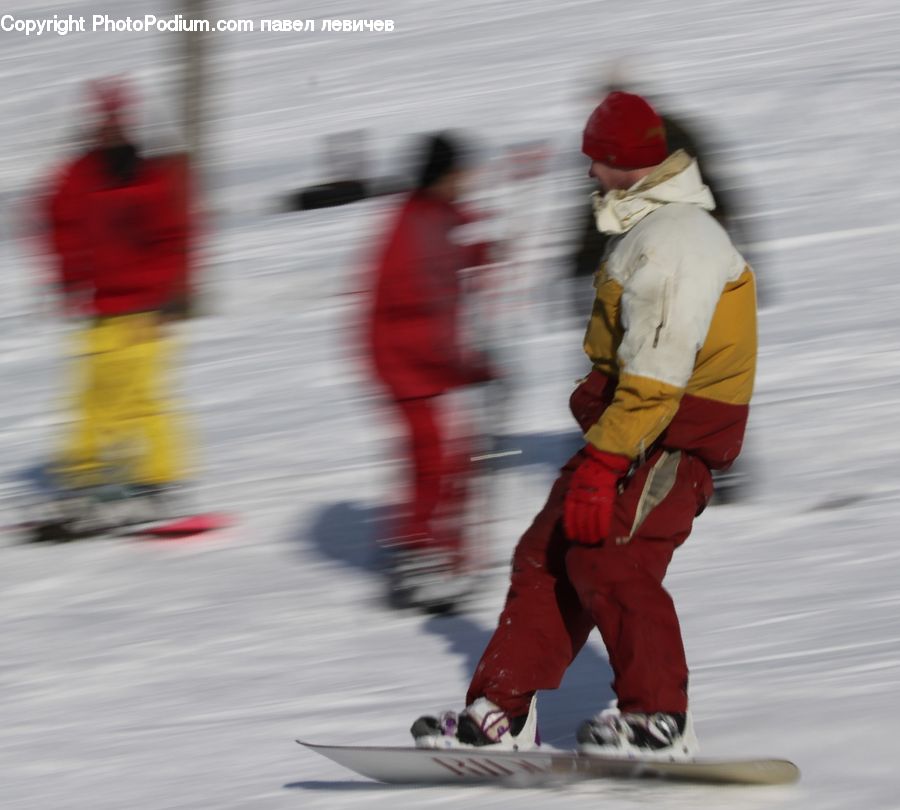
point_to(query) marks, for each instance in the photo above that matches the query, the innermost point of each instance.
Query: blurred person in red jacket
(419, 355)
(119, 228)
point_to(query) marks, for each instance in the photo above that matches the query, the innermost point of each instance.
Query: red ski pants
(560, 591)
(437, 481)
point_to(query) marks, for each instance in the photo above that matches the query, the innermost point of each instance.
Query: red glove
(588, 508)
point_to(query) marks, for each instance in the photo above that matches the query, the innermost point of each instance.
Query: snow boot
(482, 724)
(76, 514)
(427, 579)
(632, 735)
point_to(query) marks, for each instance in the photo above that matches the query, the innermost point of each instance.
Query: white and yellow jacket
(674, 321)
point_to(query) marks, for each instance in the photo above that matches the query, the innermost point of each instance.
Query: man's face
(609, 178)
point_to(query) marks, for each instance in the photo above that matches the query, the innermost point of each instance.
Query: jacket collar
(677, 179)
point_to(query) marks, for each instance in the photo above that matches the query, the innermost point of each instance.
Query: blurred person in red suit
(420, 354)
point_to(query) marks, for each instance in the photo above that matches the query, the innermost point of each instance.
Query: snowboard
(434, 766)
(53, 513)
(184, 528)
(181, 528)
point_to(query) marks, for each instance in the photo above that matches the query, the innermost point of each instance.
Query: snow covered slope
(177, 676)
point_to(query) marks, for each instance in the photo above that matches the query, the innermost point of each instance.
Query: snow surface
(177, 676)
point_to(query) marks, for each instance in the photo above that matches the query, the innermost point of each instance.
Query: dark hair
(440, 155)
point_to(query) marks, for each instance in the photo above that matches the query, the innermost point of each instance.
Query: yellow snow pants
(125, 430)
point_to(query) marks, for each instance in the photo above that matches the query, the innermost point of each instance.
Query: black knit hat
(441, 154)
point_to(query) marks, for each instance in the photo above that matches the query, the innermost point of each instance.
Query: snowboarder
(119, 227)
(735, 483)
(419, 355)
(672, 343)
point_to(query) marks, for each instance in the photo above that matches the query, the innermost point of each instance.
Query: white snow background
(178, 676)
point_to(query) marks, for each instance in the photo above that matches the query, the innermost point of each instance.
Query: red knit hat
(625, 132)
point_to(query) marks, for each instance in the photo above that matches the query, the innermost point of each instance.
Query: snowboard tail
(423, 766)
